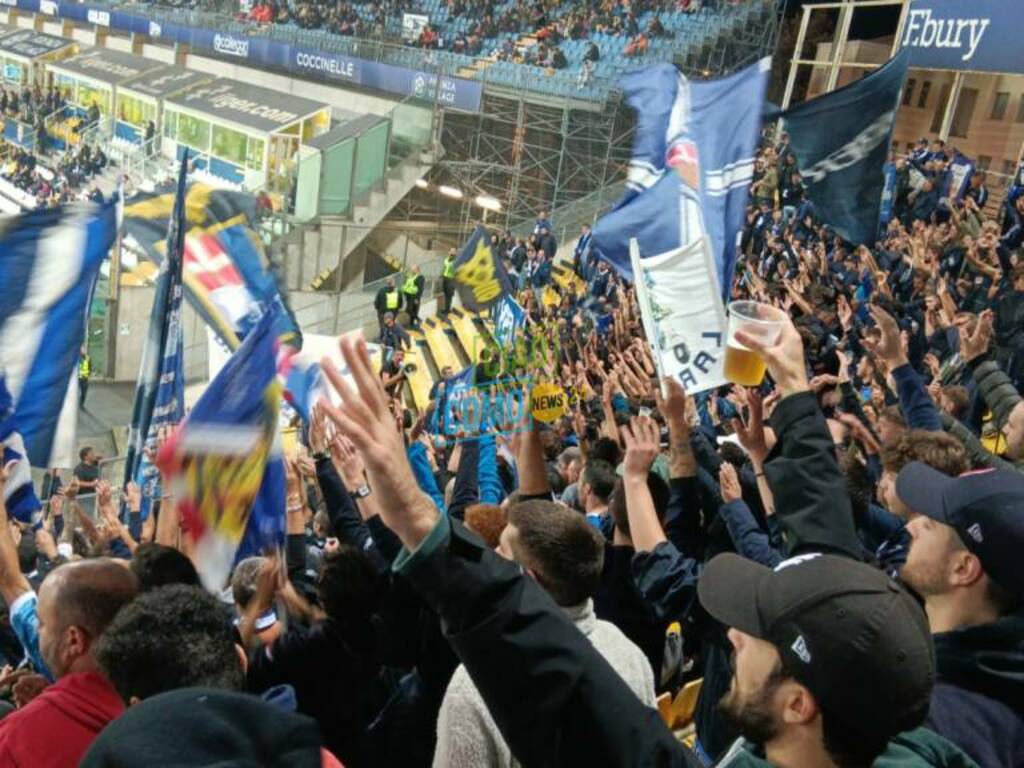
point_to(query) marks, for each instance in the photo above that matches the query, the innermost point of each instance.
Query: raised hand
(133, 495)
(729, 482)
(347, 461)
(751, 434)
(643, 442)
(784, 358)
(363, 417)
(889, 345)
(976, 344)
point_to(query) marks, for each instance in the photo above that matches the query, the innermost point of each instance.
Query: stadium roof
(251, 106)
(29, 44)
(161, 83)
(107, 66)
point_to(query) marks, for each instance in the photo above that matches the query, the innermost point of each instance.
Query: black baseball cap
(985, 508)
(854, 637)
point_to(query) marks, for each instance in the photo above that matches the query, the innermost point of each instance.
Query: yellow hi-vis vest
(449, 268)
(391, 299)
(84, 367)
(410, 285)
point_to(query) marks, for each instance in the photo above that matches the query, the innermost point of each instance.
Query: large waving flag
(841, 142)
(19, 496)
(160, 390)
(49, 260)
(479, 274)
(693, 159)
(228, 279)
(223, 464)
(675, 230)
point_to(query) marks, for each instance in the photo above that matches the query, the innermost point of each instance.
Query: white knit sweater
(467, 736)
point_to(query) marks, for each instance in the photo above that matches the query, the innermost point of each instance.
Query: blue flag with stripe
(19, 496)
(49, 260)
(160, 390)
(693, 160)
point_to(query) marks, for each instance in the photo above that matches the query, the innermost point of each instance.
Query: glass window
(66, 85)
(13, 71)
(984, 162)
(254, 154)
(170, 123)
(940, 108)
(134, 111)
(193, 131)
(964, 112)
(999, 104)
(908, 91)
(922, 100)
(229, 145)
(89, 94)
(1020, 110)
(1008, 167)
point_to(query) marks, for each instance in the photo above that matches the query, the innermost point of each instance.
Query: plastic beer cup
(743, 366)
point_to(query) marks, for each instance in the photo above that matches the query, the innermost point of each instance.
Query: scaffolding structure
(534, 152)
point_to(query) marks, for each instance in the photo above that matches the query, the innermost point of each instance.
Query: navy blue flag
(693, 159)
(160, 390)
(888, 197)
(958, 177)
(49, 260)
(841, 142)
(479, 273)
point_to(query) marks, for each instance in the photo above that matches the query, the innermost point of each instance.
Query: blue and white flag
(49, 260)
(509, 317)
(693, 159)
(888, 196)
(676, 230)
(160, 390)
(841, 141)
(19, 496)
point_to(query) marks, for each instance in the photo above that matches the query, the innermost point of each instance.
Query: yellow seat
(440, 345)
(418, 376)
(472, 341)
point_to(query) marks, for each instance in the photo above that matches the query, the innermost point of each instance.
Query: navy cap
(985, 508)
(857, 640)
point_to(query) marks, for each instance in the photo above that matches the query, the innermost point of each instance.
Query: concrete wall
(133, 313)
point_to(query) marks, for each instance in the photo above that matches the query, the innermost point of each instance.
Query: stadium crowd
(833, 553)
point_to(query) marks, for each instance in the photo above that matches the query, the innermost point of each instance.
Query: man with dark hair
(967, 536)
(170, 637)
(597, 481)
(334, 663)
(155, 565)
(59, 631)
(564, 555)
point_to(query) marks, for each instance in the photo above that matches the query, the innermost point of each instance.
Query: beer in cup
(743, 366)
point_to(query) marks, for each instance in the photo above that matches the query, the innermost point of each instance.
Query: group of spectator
(834, 553)
(65, 182)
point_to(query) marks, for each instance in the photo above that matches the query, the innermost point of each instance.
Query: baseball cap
(986, 509)
(854, 637)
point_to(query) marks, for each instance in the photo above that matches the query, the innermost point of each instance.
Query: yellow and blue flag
(479, 274)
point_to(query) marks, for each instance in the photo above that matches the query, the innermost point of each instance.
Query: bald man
(59, 630)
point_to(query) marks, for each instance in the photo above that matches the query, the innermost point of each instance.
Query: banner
(509, 317)
(682, 314)
(693, 160)
(160, 390)
(479, 274)
(412, 26)
(958, 177)
(223, 464)
(979, 36)
(842, 166)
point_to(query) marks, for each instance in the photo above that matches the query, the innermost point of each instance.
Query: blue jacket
(917, 406)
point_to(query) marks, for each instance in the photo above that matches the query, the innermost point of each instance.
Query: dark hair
(89, 593)
(27, 553)
(620, 512)
(349, 586)
(600, 476)
(850, 747)
(859, 485)
(175, 636)
(733, 454)
(894, 414)
(243, 580)
(564, 551)
(936, 449)
(155, 565)
(605, 449)
(958, 396)
(84, 452)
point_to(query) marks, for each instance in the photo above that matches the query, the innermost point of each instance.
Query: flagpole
(646, 315)
(114, 286)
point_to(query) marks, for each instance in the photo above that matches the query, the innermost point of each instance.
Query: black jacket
(978, 699)
(554, 697)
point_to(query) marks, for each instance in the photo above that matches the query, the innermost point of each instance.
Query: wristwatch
(361, 492)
